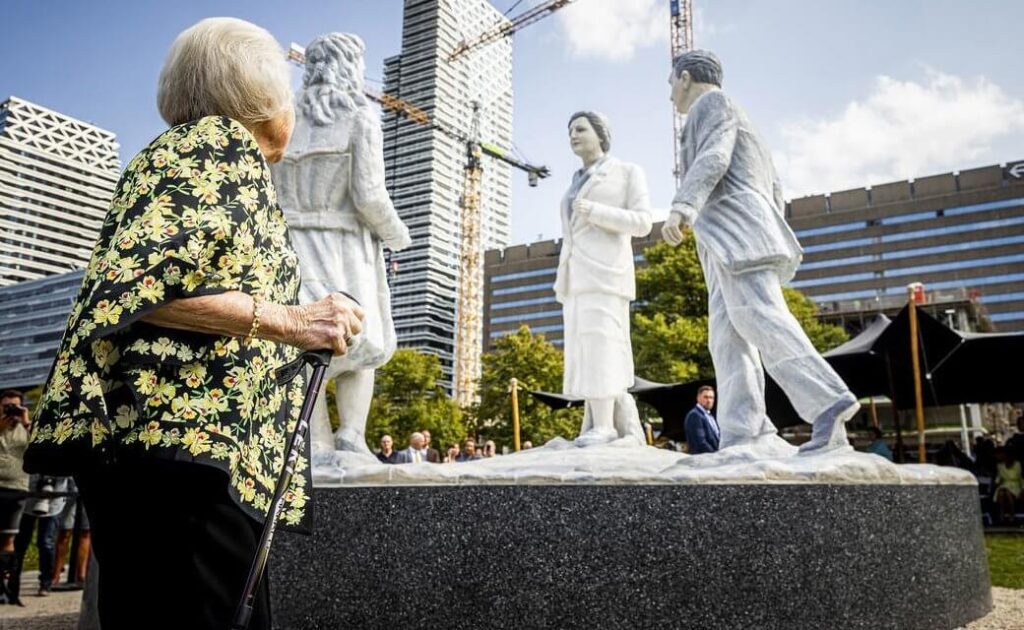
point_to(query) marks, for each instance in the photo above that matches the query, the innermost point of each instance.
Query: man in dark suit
(702, 433)
(433, 456)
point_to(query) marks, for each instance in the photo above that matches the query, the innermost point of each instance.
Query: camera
(10, 409)
(43, 486)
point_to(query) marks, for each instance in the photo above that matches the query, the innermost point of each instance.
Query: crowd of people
(999, 472)
(998, 469)
(34, 505)
(420, 450)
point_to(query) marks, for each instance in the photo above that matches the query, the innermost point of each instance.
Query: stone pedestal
(798, 556)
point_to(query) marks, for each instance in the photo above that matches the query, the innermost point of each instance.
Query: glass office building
(33, 315)
(959, 231)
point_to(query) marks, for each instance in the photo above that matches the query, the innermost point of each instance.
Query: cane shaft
(244, 613)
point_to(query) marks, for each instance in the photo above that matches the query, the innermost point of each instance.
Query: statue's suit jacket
(731, 183)
(597, 252)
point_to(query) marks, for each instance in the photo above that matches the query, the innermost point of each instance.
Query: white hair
(224, 67)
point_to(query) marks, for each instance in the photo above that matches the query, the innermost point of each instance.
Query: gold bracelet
(257, 311)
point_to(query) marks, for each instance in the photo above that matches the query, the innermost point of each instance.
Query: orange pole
(916, 363)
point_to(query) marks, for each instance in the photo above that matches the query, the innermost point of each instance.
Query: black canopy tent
(956, 367)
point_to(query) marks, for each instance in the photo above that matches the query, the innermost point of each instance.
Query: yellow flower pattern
(195, 213)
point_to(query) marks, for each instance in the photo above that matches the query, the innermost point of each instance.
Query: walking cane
(319, 360)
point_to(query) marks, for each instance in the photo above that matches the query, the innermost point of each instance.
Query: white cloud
(903, 129)
(614, 29)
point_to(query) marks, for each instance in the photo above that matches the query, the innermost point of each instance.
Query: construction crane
(681, 40)
(506, 29)
(469, 327)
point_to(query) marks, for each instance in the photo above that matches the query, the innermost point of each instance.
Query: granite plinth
(798, 556)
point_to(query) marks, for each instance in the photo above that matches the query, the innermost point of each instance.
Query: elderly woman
(163, 401)
(606, 205)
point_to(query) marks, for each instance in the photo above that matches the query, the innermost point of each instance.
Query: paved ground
(59, 611)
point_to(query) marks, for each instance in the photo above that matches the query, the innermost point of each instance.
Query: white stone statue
(731, 197)
(605, 207)
(331, 187)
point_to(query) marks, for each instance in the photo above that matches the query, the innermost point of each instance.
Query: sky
(847, 93)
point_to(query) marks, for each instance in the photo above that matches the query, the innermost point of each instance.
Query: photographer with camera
(14, 423)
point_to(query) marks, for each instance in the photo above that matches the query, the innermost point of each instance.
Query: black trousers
(173, 549)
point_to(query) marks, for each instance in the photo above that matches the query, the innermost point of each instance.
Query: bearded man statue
(331, 189)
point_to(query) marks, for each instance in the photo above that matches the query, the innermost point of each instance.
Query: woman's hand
(327, 323)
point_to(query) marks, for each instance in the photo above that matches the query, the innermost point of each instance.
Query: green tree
(407, 398)
(538, 365)
(670, 318)
(823, 336)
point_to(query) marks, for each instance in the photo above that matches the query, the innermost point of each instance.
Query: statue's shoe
(828, 432)
(594, 437)
(352, 441)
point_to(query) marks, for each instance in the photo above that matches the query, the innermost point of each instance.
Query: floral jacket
(195, 213)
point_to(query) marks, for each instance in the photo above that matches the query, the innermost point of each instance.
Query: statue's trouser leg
(741, 408)
(602, 412)
(354, 394)
(758, 312)
(627, 418)
(321, 435)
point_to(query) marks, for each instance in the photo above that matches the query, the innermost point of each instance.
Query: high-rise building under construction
(425, 166)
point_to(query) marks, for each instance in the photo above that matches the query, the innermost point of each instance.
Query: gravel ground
(59, 611)
(1007, 611)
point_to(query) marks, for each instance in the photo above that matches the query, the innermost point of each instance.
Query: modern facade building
(33, 315)
(960, 234)
(960, 231)
(424, 165)
(57, 175)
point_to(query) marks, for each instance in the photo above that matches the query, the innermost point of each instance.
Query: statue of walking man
(731, 197)
(331, 188)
